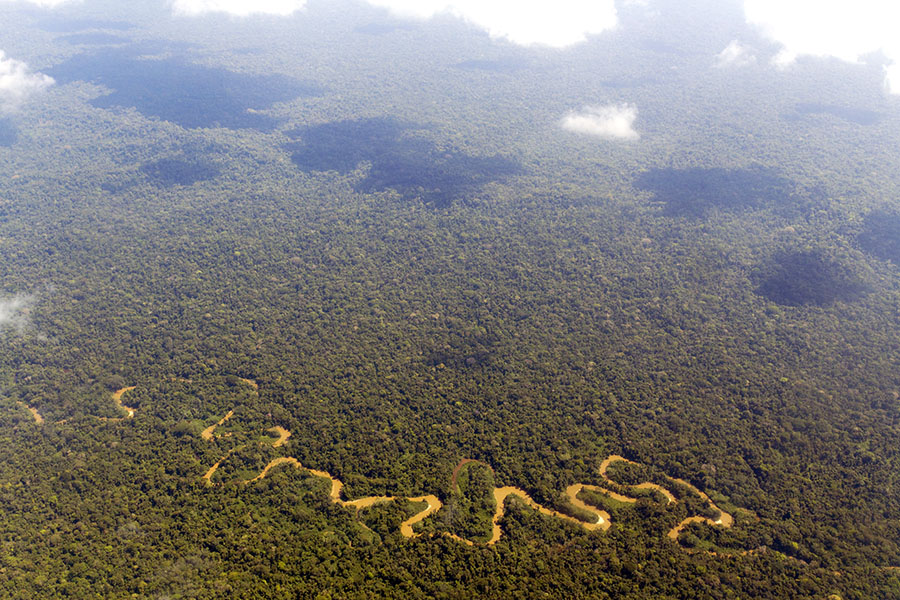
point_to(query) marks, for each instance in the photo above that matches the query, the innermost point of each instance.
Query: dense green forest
(374, 235)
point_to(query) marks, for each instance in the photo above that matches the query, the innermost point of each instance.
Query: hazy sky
(845, 29)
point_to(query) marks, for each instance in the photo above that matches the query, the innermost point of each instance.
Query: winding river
(601, 520)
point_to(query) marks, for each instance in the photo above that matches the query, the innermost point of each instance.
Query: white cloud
(239, 8)
(892, 77)
(17, 83)
(614, 121)
(14, 311)
(842, 29)
(525, 22)
(735, 54)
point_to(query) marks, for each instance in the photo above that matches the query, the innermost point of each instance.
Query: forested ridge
(385, 245)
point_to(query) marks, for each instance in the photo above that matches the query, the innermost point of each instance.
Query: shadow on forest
(854, 115)
(94, 39)
(880, 236)
(176, 171)
(8, 132)
(464, 350)
(809, 277)
(697, 192)
(175, 90)
(398, 160)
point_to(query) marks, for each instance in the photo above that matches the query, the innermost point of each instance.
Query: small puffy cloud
(17, 82)
(557, 23)
(614, 121)
(844, 29)
(238, 8)
(14, 311)
(735, 54)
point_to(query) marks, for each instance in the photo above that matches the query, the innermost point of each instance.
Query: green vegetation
(471, 504)
(416, 264)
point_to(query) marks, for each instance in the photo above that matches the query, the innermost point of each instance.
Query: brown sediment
(500, 495)
(602, 516)
(604, 491)
(290, 460)
(670, 498)
(283, 435)
(363, 503)
(207, 433)
(434, 505)
(34, 413)
(676, 531)
(212, 470)
(725, 519)
(610, 460)
(117, 398)
(336, 485)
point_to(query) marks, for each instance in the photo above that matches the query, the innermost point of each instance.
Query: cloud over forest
(14, 311)
(17, 83)
(613, 121)
(840, 28)
(735, 54)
